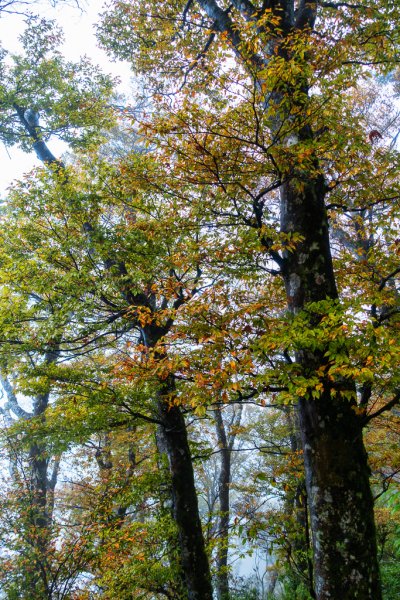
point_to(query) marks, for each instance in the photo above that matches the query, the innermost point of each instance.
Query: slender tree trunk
(39, 524)
(36, 493)
(173, 440)
(38, 489)
(173, 550)
(40, 510)
(337, 473)
(224, 480)
(297, 506)
(185, 508)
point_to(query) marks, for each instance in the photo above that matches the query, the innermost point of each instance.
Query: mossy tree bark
(336, 467)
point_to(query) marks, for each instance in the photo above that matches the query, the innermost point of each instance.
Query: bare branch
(12, 402)
(388, 406)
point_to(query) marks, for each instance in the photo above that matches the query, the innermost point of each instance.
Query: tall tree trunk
(185, 508)
(41, 491)
(224, 481)
(297, 506)
(337, 473)
(336, 468)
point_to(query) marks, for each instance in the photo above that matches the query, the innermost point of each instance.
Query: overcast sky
(78, 27)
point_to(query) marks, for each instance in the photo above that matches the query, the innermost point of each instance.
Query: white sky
(78, 27)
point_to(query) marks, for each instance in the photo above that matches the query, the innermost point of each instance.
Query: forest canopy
(199, 305)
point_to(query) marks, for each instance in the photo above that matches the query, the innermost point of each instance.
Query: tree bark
(173, 440)
(41, 504)
(185, 508)
(296, 505)
(337, 473)
(224, 481)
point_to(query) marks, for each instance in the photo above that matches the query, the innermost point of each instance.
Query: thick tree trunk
(185, 508)
(341, 507)
(337, 473)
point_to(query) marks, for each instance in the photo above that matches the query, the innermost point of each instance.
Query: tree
(43, 95)
(114, 254)
(255, 98)
(34, 473)
(40, 81)
(78, 104)
(22, 6)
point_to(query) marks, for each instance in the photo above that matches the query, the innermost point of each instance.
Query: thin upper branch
(388, 406)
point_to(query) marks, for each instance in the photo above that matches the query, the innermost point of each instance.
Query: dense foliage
(199, 324)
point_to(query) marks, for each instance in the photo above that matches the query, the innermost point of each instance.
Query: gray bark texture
(194, 561)
(336, 467)
(224, 481)
(173, 439)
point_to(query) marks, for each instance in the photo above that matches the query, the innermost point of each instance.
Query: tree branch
(388, 278)
(343, 5)
(391, 404)
(223, 23)
(39, 145)
(306, 14)
(247, 9)
(12, 402)
(52, 481)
